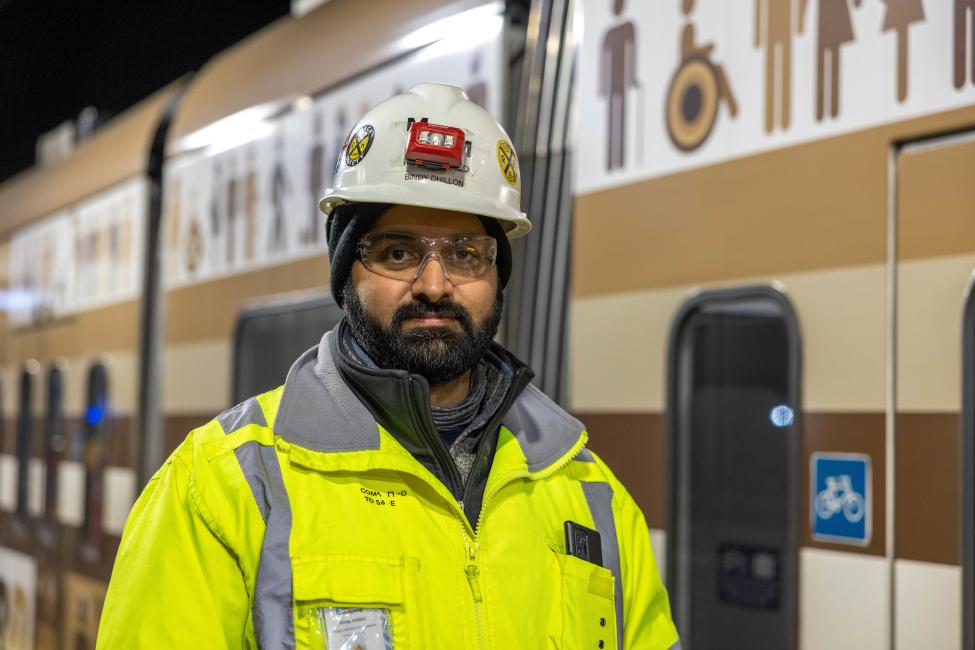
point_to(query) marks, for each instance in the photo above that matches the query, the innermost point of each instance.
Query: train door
(270, 335)
(968, 469)
(733, 408)
(932, 258)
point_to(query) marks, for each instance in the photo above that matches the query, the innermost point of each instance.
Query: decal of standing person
(316, 182)
(114, 251)
(250, 207)
(280, 187)
(777, 39)
(215, 215)
(617, 74)
(696, 91)
(964, 42)
(341, 130)
(477, 91)
(173, 216)
(194, 248)
(835, 29)
(232, 187)
(899, 17)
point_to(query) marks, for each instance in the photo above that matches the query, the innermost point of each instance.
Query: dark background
(58, 57)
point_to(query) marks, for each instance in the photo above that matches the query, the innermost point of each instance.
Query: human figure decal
(250, 207)
(215, 201)
(280, 187)
(835, 29)
(697, 89)
(617, 74)
(776, 37)
(316, 175)
(232, 207)
(901, 14)
(964, 41)
(341, 131)
(194, 246)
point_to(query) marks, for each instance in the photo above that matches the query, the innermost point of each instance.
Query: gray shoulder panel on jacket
(319, 411)
(247, 412)
(543, 429)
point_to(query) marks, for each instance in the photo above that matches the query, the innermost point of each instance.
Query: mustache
(442, 309)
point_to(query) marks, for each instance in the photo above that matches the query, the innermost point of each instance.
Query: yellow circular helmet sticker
(507, 162)
(359, 145)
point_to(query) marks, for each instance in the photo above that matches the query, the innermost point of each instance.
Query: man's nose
(432, 282)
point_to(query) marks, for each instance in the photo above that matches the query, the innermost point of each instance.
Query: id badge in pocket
(355, 628)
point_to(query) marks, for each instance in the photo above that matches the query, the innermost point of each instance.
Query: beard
(439, 354)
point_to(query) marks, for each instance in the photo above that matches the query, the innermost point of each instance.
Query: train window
(733, 410)
(95, 428)
(25, 427)
(968, 468)
(53, 438)
(270, 335)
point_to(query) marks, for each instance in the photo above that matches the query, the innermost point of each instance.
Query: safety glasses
(402, 256)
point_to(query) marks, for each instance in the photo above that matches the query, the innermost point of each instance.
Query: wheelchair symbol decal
(696, 91)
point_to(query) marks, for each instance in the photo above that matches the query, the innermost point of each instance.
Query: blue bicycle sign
(840, 495)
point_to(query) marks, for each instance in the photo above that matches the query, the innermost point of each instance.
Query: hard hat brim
(433, 195)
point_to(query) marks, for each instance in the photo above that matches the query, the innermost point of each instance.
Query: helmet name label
(445, 178)
(359, 145)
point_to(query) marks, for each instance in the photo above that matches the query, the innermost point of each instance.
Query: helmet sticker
(507, 162)
(359, 145)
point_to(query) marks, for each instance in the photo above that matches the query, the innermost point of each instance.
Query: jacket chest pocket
(345, 602)
(588, 605)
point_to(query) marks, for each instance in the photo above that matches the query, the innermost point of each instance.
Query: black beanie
(349, 222)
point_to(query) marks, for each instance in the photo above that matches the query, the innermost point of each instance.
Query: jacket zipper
(440, 452)
(472, 568)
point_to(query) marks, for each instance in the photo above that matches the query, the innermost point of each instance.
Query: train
(750, 276)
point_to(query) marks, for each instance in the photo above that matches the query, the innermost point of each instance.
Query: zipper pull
(471, 569)
(472, 573)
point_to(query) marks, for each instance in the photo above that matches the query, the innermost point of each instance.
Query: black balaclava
(349, 222)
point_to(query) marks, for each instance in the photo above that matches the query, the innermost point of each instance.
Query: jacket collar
(332, 404)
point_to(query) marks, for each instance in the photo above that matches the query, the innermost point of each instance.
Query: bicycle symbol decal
(840, 498)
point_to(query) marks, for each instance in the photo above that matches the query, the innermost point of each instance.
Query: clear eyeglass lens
(401, 257)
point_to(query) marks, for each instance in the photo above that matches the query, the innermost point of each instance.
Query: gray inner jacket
(400, 402)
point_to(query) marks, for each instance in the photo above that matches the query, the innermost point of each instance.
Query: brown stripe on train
(88, 333)
(632, 444)
(208, 310)
(928, 489)
(812, 206)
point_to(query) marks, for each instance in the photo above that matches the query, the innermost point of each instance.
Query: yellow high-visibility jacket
(297, 501)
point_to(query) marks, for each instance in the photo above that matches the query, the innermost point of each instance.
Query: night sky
(58, 57)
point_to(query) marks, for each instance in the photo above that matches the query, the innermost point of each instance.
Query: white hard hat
(431, 147)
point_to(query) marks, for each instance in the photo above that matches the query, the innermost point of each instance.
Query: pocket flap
(349, 580)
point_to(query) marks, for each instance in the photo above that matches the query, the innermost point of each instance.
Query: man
(407, 487)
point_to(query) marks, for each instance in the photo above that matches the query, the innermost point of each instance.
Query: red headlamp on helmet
(435, 146)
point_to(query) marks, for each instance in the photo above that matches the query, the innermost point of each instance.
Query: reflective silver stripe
(543, 429)
(247, 412)
(676, 646)
(584, 456)
(599, 498)
(273, 617)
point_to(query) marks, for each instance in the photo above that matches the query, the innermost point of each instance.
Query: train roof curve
(295, 57)
(116, 152)
(290, 58)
